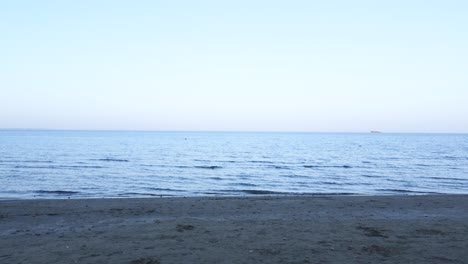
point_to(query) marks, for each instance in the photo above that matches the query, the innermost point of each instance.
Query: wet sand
(289, 229)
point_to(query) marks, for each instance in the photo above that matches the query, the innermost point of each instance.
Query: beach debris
(268, 251)
(429, 232)
(372, 232)
(376, 249)
(147, 260)
(182, 228)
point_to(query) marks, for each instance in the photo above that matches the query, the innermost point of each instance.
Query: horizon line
(224, 131)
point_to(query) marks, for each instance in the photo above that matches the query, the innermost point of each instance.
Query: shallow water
(51, 164)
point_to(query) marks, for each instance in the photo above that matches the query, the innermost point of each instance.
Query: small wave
(82, 166)
(254, 191)
(449, 179)
(36, 161)
(330, 183)
(34, 167)
(113, 160)
(261, 192)
(423, 165)
(371, 176)
(58, 192)
(58, 167)
(178, 166)
(162, 189)
(278, 167)
(454, 158)
(328, 166)
(208, 167)
(26, 161)
(221, 161)
(262, 161)
(165, 166)
(244, 184)
(130, 194)
(402, 191)
(267, 192)
(331, 194)
(148, 165)
(213, 193)
(296, 176)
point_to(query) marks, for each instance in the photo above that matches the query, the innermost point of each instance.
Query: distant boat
(375, 132)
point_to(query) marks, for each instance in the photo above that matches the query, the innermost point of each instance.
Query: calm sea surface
(54, 164)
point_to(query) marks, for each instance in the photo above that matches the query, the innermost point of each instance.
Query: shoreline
(237, 229)
(251, 194)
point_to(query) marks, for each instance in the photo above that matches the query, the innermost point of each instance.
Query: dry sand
(322, 229)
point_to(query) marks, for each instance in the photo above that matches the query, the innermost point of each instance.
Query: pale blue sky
(348, 66)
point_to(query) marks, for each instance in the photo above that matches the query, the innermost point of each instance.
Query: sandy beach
(280, 229)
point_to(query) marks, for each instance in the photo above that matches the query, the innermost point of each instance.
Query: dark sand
(322, 229)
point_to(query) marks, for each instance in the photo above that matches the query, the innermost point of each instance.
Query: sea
(37, 164)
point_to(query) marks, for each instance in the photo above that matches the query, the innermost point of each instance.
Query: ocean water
(77, 164)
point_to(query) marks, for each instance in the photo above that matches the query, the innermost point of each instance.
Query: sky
(318, 66)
